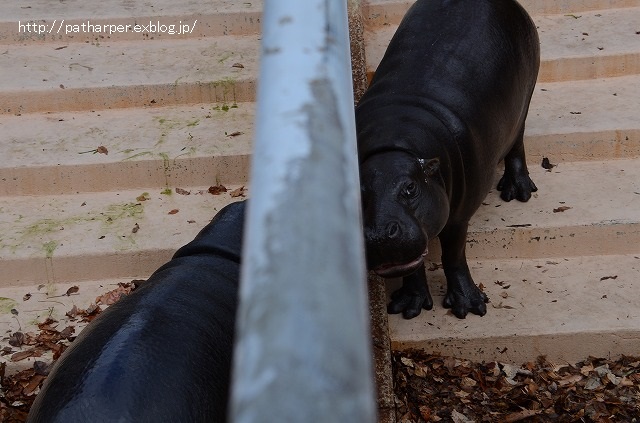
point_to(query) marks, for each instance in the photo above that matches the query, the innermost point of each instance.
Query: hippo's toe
(517, 187)
(412, 297)
(472, 301)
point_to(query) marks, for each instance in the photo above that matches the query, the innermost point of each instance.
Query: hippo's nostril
(393, 230)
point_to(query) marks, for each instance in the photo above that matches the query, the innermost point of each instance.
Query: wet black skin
(163, 353)
(448, 102)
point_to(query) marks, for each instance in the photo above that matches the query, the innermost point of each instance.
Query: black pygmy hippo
(448, 102)
(163, 353)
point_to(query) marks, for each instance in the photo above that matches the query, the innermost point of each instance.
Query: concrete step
(390, 12)
(84, 77)
(96, 236)
(56, 153)
(596, 44)
(61, 237)
(581, 208)
(564, 308)
(58, 22)
(35, 303)
(566, 217)
(584, 120)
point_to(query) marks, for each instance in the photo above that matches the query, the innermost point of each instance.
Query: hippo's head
(404, 204)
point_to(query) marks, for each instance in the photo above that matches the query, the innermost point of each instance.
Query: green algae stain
(43, 226)
(165, 159)
(224, 89)
(169, 125)
(166, 168)
(6, 305)
(224, 107)
(166, 191)
(143, 153)
(47, 226)
(187, 152)
(49, 248)
(46, 234)
(119, 211)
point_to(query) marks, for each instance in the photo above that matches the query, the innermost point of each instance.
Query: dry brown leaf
(239, 192)
(459, 417)
(174, 211)
(521, 415)
(114, 295)
(425, 412)
(33, 384)
(67, 332)
(16, 339)
(604, 278)
(23, 354)
(73, 290)
(102, 150)
(41, 368)
(561, 209)
(73, 312)
(217, 189)
(546, 164)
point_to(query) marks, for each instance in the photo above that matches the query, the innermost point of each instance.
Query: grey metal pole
(303, 350)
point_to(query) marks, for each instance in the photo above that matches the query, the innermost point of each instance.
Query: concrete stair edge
(565, 309)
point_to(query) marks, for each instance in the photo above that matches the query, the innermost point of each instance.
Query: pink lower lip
(392, 270)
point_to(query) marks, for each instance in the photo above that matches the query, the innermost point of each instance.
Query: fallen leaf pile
(114, 295)
(431, 388)
(18, 391)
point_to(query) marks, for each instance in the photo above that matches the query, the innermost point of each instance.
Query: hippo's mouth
(395, 270)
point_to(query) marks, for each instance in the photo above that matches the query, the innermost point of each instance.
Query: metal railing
(303, 349)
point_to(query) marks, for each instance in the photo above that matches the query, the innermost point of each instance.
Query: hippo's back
(465, 60)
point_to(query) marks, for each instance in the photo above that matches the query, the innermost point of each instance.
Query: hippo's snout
(384, 234)
(395, 248)
(393, 230)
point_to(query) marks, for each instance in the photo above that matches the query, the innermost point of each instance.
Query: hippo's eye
(410, 190)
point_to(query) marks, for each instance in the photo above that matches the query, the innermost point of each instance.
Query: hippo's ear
(431, 166)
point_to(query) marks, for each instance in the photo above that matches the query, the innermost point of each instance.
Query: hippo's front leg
(463, 295)
(413, 296)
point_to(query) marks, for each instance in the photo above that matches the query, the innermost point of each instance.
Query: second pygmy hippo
(162, 353)
(448, 102)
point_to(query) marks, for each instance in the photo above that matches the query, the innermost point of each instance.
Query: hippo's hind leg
(412, 297)
(463, 295)
(516, 183)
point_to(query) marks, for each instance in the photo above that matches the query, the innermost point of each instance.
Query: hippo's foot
(463, 296)
(519, 186)
(412, 297)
